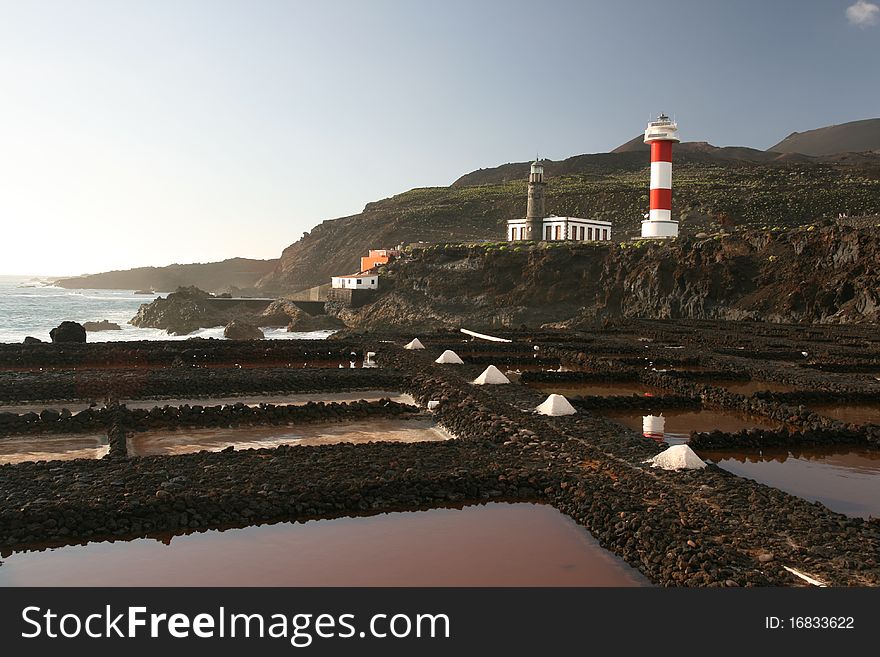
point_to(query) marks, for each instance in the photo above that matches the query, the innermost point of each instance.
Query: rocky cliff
(825, 274)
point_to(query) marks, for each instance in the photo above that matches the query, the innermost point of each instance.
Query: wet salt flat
(750, 387)
(491, 545)
(48, 447)
(851, 413)
(675, 426)
(570, 389)
(250, 400)
(846, 480)
(164, 442)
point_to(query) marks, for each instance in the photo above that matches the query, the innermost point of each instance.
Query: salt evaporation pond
(494, 544)
(249, 400)
(751, 387)
(184, 441)
(850, 413)
(49, 447)
(674, 426)
(604, 389)
(846, 480)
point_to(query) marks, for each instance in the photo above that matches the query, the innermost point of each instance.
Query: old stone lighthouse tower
(535, 209)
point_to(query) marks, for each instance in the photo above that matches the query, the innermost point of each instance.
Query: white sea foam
(35, 311)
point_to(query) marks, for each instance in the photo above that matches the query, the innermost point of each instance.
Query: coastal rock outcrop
(180, 313)
(822, 273)
(304, 322)
(284, 312)
(103, 325)
(68, 332)
(189, 309)
(32, 340)
(238, 329)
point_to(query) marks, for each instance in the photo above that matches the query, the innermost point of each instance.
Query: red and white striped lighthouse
(661, 134)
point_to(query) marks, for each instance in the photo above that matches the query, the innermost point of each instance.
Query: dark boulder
(31, 340)
(68, 332)
(241, 330)
(103, 325)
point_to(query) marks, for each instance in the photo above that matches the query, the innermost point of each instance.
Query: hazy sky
(159, 131)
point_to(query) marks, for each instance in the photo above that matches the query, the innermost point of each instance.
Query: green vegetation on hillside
(707, 196)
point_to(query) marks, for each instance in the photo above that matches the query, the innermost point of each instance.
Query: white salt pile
(556, 405)
(450, 358)
(432, 404)
(415, 344)
(491, 375)
(678, 457)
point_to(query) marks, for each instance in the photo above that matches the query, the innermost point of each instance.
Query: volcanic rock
(240, 330)
(103, 325)
(68, 332)
(180, 313)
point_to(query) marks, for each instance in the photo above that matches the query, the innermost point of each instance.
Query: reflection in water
(185, 441)
(491, 545)
(846, 480)
(674, 427)
(850, 413)
(50, 447)
(654, 427)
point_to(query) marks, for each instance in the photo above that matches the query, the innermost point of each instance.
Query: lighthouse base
(659, 229)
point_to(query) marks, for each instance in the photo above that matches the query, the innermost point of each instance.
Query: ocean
(30, 306)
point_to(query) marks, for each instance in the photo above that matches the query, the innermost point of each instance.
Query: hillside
(726, 186)
(821, 274)
(228, 275)
(852, 137)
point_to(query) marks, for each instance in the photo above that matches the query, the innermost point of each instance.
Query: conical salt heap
(450, 358)
(678, 457)
(415, 344)
(491, 375)
(556, 405)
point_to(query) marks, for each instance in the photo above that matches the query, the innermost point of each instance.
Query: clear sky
(159, 131)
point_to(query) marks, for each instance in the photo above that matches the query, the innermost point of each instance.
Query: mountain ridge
(230, 275)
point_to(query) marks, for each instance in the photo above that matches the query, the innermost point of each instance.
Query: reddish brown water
(253, 364)
(185, 441)
(851, 413)
(48, 447)
(250, 400)
(598, 389)
(750, 387)
(846, 480)
(490, 545)
(676, 425)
